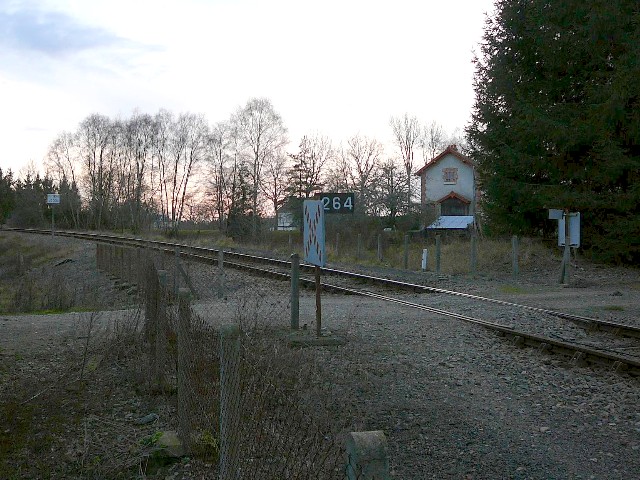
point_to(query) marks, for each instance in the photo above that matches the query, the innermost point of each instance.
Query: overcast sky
(334, 67)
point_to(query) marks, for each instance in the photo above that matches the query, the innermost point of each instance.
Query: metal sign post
(314, 247)
(53, 199)
(566, 255)
(568, 236)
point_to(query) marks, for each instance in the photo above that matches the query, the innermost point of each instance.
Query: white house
(447, 184)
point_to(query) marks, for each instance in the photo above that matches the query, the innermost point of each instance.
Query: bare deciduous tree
(61, 157)
(362, 158)
(263, 134)
(406, 134)
(305, 175)
(93, 142)
(433, 140)
(139, 136)
(180, 146)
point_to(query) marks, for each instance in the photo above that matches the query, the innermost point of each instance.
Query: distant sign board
(555, 214)
(313, 232)
(337, 202)
(574, 230)
(53, 198)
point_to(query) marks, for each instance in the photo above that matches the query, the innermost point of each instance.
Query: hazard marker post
(314, 247)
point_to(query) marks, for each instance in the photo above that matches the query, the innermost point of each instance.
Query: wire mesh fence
(246, 402)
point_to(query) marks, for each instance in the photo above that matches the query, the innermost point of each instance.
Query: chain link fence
(246, 402)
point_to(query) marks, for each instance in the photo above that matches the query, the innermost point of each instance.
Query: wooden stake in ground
(318, 303)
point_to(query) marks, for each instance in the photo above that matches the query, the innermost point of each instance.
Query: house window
(453, 206)
(450, 175)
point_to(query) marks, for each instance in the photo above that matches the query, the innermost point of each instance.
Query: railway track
(603, 348)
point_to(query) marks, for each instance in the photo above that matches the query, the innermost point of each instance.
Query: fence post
(514, 255)
(474, 253)
(151, 304)
(367, 456)
(406, 252)
(184, 324)
(438, 249)
(295, 291)
(139, 263)
(220, 273)
(161, 331)
(229, 402)
(98, 257)
(130, 265)
(290, 241)
(379, 247)
(176, 274)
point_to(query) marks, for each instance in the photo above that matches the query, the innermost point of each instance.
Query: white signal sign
(574, 230)
(313, 232)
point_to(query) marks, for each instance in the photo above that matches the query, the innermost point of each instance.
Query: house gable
(447, 183)
(450, 150)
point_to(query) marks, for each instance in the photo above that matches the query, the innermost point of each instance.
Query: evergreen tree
(7, 195)
(31, 209)
(556, 122)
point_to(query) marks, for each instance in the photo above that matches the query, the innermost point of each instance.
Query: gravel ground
(454, 400)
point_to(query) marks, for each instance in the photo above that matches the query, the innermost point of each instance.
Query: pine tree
(7, 195)
(556, 122)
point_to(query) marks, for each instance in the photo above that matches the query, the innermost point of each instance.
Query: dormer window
(450, 176)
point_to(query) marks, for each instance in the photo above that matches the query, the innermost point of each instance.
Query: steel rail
(202, 253)
(579, 354)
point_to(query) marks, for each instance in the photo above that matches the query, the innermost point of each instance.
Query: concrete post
(229, 402)
(184, 393)
(176, 277)
(474, 253)
(514, 256)
(438, 250)
(220, 273)
(425, 259)
(379, 247)
(295, 291)
(130, 265)
(20, 264)
(406, 252)
(161, 330)
(367, 456)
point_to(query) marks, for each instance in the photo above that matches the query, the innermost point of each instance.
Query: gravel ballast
(454, 400)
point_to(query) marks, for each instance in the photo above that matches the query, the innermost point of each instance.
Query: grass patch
(512, 289)
(614, 308)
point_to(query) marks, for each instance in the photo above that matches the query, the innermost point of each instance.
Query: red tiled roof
(453, 194)
(451, 149)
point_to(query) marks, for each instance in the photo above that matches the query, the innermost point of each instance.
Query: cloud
(51, 33)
